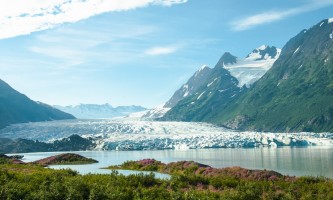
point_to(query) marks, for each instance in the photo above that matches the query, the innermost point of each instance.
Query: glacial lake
(305, 161)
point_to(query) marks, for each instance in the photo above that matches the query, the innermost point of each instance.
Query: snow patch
(300, 66)
(200, 95)
(208, 85)
(254, 56)
(321, 24)
(203, 67)
(200, 70)
(185, 89)
(247, 71)
(278, 52)
(331, 35)
(330, 20)
(296, 50)
(262, 47)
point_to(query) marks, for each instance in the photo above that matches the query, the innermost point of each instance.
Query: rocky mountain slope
(230, 78)
(296, 94)
(189, 88)
(18, 108)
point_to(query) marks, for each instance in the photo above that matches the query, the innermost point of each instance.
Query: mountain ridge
(18, 108)
(221, 87)
(296, 93)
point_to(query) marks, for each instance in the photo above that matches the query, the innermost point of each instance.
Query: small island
(65, 159)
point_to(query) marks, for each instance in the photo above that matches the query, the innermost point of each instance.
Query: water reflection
(314, 161)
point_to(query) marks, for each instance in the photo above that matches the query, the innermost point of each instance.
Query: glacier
(150, 114)
(129, 134)
(250, 69)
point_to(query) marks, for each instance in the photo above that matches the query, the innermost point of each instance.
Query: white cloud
(155, 51)
(272, 16)
(19, 17)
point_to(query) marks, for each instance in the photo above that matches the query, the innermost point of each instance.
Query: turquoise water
(308, 161)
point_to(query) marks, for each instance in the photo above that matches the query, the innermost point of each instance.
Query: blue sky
(134, 52)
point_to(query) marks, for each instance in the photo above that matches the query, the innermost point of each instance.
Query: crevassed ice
(138, 135)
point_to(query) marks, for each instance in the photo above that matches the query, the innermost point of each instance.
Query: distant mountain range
(18, 108)
(96, 111)
(270, 89)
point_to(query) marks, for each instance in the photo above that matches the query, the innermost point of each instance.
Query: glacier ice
(128, 134)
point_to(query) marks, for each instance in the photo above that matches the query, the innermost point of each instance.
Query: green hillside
(296, 94)
(18, 108)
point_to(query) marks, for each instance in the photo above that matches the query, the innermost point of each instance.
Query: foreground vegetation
(21, 181)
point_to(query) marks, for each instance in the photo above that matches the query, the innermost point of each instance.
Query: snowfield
(126, 134)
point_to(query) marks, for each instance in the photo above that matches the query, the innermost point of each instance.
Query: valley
(126, 134)
(166, 99)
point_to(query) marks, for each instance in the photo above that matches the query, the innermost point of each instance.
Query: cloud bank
(19, 17)
(272, 16)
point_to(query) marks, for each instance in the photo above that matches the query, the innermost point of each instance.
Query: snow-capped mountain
(217, 90)
(296, 93)
(190, 87)
(223, 84)
(248, 70)
(206, 81)
(95, 111)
